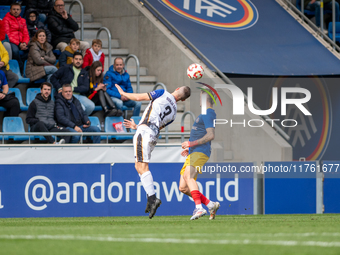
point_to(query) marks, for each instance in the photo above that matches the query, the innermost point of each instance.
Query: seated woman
(98, 90)
(41, 60)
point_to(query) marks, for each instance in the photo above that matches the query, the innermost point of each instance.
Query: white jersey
(162, 109)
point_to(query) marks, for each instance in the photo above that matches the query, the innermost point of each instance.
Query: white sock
(210, 205)
(199, 206)
(147, 182)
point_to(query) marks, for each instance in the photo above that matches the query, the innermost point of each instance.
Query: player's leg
(183, 187)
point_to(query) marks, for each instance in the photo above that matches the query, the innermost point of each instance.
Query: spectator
(40, 114)
(41, 59)
(78, 78)
(16, 29)
(33, 25)
(66, 57)
(8, 100)
(11, 77)
(314, 5)
(43, 8)
(63, 27)
(70, 115)
(117, 75)
(98, 92)
(94, 54)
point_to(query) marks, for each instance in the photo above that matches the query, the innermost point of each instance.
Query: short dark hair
(209, 98)
(186, 92)
(47, 84)
(66, 85)
(14, 4)
(114, 62)
(77, 53)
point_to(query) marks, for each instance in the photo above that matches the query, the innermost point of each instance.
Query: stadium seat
(2, 109)
(125, 109)
(337, 31)
(95, 122)
(14, 125)
(97, 108)
(136, 120)
(3, 10)
(18, 95)
(30, 94)
(109, 127)
(57, 52)
(14, 66)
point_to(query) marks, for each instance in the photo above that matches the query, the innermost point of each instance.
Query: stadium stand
(14, 125)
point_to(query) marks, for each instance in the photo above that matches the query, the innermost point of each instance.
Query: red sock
(196, 196)
(204, 199)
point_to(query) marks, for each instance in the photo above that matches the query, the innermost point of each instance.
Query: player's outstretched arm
(133, 96)
(210, 135)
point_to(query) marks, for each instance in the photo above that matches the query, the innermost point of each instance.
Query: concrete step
(105, 41)
(116, 52)
(91, 25)
(88, 33)
(144, 79)
(87, 16)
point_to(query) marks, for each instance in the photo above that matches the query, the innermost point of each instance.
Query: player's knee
(182, 189)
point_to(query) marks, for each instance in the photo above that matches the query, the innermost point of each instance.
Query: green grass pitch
(255, 234)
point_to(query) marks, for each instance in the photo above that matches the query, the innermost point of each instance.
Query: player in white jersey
(160, 112)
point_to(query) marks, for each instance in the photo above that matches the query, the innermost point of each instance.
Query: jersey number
(167, 112)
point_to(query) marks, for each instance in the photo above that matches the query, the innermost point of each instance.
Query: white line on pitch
(170, 240)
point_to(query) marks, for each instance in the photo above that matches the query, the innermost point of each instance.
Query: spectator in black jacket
(62, 27)
(78, 78)
(43, 7)
(33, 25)
(40, 114)
(70, 114)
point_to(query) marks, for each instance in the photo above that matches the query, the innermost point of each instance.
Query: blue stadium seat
(18, 95)
(30, 94)
(95, 122)
(337, 31)
(57, 52)
(14, 66)
(14, 125)
(3, 10)
(125, 109)
(97, 108)
(2, 109)
(109, 127)
(136, 120)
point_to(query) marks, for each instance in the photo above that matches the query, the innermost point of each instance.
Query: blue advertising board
(290, 187)
(82, 190)
(331, 186)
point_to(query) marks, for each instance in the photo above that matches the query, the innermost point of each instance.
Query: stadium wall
(167, 58)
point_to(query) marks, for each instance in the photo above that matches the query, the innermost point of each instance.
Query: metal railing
(182, 122)
(312, 25)
(32, 135)
(81, 16)
(109, 38)
(202, 57)
(160, 84)
(137, 69)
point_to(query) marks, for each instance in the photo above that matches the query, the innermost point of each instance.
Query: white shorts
(144, 142)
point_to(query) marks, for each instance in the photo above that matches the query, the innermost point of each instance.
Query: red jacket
(2, 31)
(88, 59)
(16, 29)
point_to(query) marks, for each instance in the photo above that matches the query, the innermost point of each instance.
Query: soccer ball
(195, 71)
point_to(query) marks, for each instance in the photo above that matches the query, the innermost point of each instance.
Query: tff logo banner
(85, 190)
(219, 14)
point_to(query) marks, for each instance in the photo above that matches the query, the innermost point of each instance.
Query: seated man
(40, 115)
(62, 27)
(78, 78)
(16, 29)
(117, 75)
(8, 101)
(11, 77)
(70, 114)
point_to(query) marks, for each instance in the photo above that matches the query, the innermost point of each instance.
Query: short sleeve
(209, 118)
(156, 94)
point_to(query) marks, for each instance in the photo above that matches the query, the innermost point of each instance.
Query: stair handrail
(311, 24)
(137, 68)
(160, 84)
(81, 16)
(109, 38)
(182, 122)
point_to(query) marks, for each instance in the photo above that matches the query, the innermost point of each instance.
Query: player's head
(182, 93)
(210, 96)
